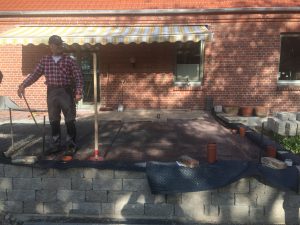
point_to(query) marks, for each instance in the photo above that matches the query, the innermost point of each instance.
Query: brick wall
(36, 193)
(241, 63)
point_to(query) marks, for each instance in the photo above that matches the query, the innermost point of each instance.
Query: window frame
(286, 82)
(201, 69)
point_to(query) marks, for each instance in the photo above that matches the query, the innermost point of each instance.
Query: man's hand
(78, 97)
(21, 91)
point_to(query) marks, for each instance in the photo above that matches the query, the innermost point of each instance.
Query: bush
(289, 143)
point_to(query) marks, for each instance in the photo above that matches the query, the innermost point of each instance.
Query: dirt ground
(133, 138)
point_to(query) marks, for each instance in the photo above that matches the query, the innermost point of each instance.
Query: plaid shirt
(63, 73)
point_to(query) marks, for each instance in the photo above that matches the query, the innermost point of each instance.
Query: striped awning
(104, 35)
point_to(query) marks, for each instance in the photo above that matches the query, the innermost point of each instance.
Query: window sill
(288, 85)
(187, 86)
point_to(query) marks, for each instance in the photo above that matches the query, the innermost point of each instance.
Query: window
(289, 67)
(189, 63)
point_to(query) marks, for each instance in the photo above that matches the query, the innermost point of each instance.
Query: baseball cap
(55, 39)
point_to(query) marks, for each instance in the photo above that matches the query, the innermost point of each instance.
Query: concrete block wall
(27, 192)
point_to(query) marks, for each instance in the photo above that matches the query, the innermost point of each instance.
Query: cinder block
(107, 184)
(33, 207)
(279, 127)
(71, 196)
(249, 199)
(222, 199)
(12, 207)
(275, 213)
(96, 196)
(135, 185)
(21, 195)
(284, 116)
(5, 183)
(37, 172)
(56, 183)
(69, 173)
(275, 199)
(108, 208)
(257, 215)
(86, 208)
(234, 214)
(298, 116)
(292, 116)
(130, 209)
(82, 183)
(174, 199)
(159, 210)
(17, 171)
(96, 173)
(290, 128)
(57, 207)
(195, 198)
(3, 196)
(27, 183)
(2, 170)
(240, 186)
(46, 195)
(129, 174)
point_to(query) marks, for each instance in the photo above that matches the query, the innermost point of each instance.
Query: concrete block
(290, 128)
(96, 173)
(96, 196)
(33, 207)
(298, 116)
(135, 197)
(234, 214)
(21, 195)
(279, 127)
(27, 183)
(195, 198)
(222, 199)
(291, 201)
(37, 172)
(70, 196)
(249, 199)
(46, 195)
(56, 183)
(82, 183)
(159, 210)
(292, 215)
(275, 213)
(107, 184)
(12, 207)
(86, 208)
(2, 170)
(256, 186)
(3, 196)
(270, 199)
(17, 171)
(129, 174)
(240, 186)
(5, 183)
(129, 209)
(257, 214)
(174, 198)
(292, 116)
(57, 207)
(135, 185)
(69, 173)
(108, 208)
(284, 116)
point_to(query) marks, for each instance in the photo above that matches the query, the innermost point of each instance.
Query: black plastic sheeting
(170, 178)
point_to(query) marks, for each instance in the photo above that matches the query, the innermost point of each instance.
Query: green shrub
(289, 143)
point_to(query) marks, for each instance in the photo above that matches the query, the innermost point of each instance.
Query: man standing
(64, 88)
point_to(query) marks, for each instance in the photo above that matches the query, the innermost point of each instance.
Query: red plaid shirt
(65, 72)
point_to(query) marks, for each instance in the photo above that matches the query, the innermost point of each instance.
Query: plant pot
(261, 111)
(211, 152)
(231, 110)
(246, 111)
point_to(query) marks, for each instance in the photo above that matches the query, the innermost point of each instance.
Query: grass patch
(289, 143)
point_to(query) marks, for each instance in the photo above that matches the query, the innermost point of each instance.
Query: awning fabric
(104, 35)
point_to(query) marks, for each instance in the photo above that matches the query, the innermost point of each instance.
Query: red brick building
(234, 52)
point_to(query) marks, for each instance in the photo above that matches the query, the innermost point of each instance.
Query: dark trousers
(61, 100)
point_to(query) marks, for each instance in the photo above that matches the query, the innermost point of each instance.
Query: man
(64, 88)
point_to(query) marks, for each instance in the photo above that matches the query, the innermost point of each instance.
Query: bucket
(271, 151)
(242, 131)
(211, 152)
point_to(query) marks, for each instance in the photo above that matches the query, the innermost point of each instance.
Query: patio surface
(134, 136)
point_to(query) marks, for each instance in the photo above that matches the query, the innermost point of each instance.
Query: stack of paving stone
(285, 123)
